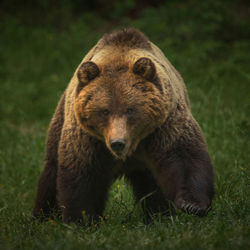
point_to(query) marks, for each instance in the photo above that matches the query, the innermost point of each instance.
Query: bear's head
(119, 103)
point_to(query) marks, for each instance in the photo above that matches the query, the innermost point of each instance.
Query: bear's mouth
(119, 155)
(120, 148)
(125, 152)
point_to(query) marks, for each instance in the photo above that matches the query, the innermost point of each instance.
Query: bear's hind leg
(149, 194)
(46, 192)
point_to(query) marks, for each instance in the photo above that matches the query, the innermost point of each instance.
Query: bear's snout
(118, 146)
(117, 136)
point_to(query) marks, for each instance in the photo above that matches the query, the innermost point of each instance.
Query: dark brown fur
(165, 158)
(131, 38)
(46, 192)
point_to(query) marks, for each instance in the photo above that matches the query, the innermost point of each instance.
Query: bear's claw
(193, 208)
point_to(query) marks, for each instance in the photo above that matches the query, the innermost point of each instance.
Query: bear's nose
(117, 145)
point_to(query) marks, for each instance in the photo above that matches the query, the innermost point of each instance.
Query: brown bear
(125, 112)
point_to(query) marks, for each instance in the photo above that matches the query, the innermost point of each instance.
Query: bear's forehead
(115, 68)
(119, 87)
(119, 77)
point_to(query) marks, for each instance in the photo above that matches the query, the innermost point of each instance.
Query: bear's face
(119, 104)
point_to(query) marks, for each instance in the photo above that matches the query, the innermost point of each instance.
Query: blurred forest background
(41, 44)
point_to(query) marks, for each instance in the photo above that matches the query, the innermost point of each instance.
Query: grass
(36, 65)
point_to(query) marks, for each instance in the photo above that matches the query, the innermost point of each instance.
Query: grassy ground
(35, 67)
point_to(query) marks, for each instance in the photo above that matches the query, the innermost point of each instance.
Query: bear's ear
(145, 68)
(87, 72)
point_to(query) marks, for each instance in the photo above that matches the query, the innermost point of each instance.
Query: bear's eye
(129, 111)
(105, 112)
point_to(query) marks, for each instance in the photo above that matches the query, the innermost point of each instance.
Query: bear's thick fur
(125, 112)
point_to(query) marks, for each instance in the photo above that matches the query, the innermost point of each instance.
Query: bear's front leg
(81, 191)
(83, 178)
(185, 174)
